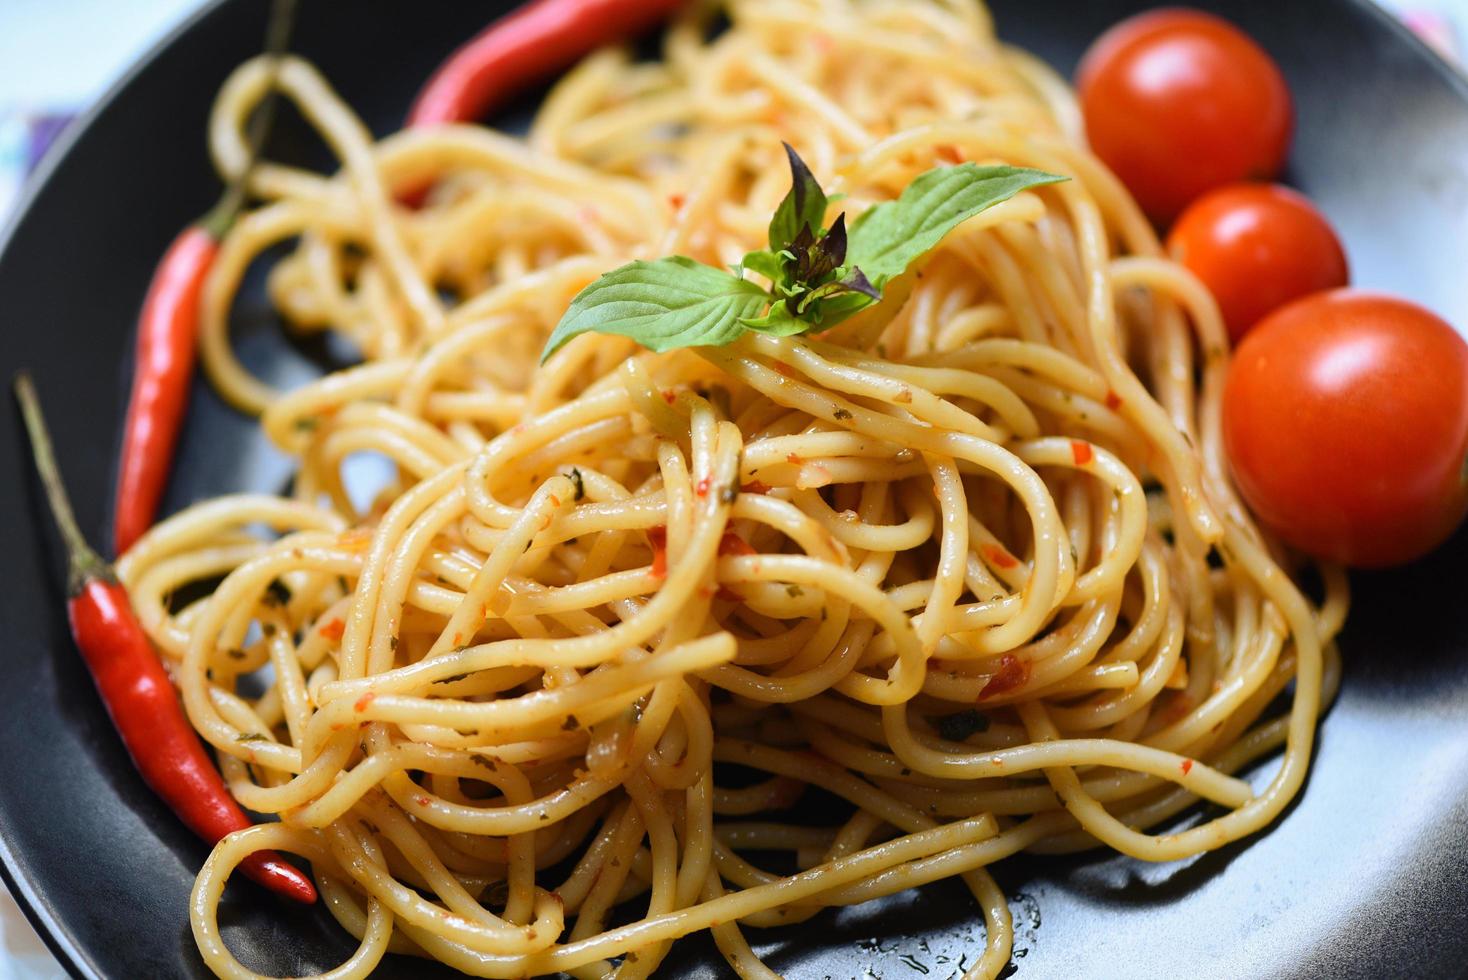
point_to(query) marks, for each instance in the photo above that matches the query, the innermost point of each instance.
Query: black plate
(1364, 877)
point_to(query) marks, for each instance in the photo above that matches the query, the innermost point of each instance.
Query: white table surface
(57, 56)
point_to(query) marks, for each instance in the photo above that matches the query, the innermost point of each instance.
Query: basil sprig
(819, 275)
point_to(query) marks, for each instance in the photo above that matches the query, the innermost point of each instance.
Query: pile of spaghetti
(969, 562)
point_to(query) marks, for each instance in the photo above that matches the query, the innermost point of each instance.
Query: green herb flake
(251, 737)
(958, 727)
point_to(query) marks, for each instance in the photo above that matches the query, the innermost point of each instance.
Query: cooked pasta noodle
(969, 562)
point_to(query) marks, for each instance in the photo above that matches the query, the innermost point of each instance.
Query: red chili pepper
(525, 47)
(135, 687)
(168, 330)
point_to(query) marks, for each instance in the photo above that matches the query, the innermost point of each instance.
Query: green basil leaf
(778, 321)
(803, 207)
(766, 263)
(831, 310)
(666, 304)
(889, 237)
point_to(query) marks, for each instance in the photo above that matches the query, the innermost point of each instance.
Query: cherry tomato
(1178, 102)
(1345, 418)
(1256, 247)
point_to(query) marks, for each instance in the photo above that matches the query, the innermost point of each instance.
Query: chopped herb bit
(252, 737)
(392, 642)
(236, 653)
(268, 629)
(451, 679)
(794, 591)
(307, 423)
(958, 727)
(728, 493)
(841, 415)
(579, 483)
(571, 724)
(276, 593)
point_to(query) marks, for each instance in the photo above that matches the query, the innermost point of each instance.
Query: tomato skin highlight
(1257, 247)
(1345, 420)
(1178, 102)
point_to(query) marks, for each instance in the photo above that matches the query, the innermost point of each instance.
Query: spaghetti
(969, 562)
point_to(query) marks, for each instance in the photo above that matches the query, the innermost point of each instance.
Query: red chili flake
(794, 460)
(356, 539)
(422, 800)
(1081, 452)
(702, 489)
(669, 395)
(1013, 673)
(733, 544)
(783, 368)
(949, 152)
(998, 557)
(363, 702)
(676, 200)
(1177, 708)
(1187, 766)
(707, 591)
(1113, 400)
(657, 538)
(333, 630)
(754, 486)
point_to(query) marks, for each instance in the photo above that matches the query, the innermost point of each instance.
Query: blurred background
(57, 57)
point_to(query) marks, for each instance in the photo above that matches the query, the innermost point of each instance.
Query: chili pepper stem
(83, 562)
(219, 219)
